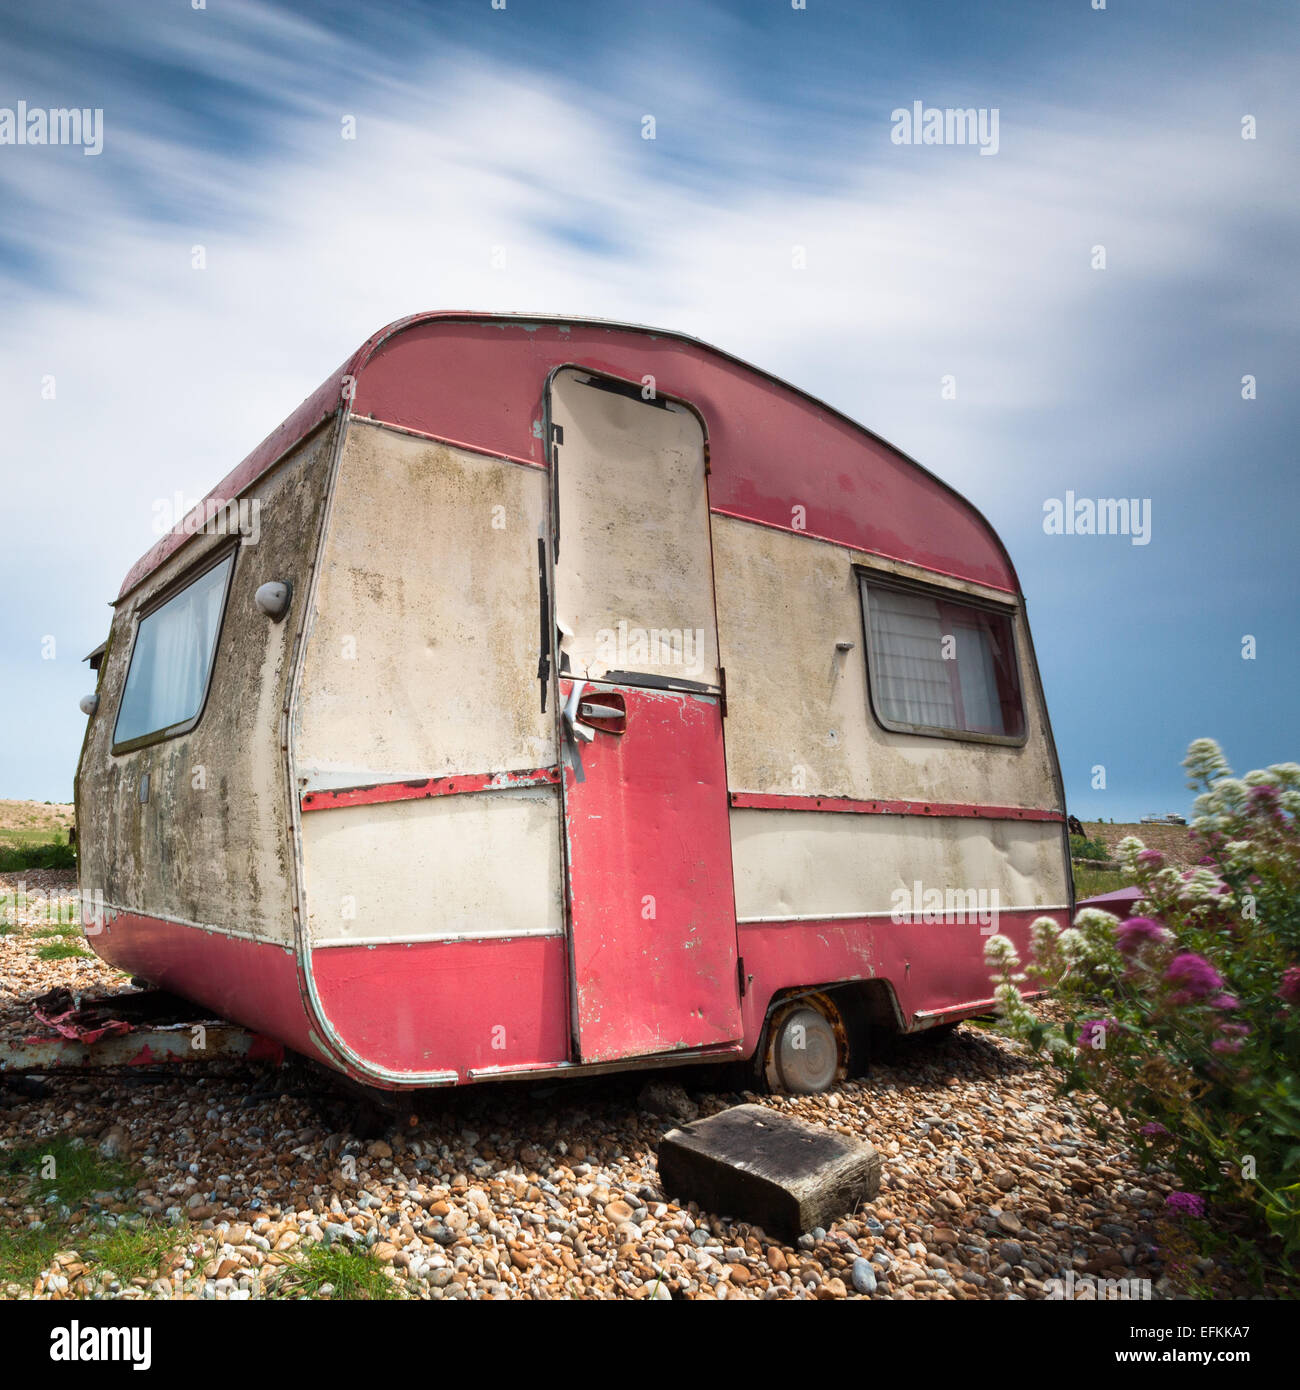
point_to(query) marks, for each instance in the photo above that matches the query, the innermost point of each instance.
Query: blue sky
(520, 130)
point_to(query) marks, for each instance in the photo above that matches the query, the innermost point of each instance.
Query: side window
(937, 665)
(171, 662)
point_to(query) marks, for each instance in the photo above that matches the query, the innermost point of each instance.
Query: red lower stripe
(761, 801)
(429, 786)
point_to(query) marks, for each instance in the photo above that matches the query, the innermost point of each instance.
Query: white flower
(1093, 919)
(1000, 954)
(1128, 850)
(1043, 933)
(1205, 761)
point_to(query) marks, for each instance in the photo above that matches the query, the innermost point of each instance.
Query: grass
(1089, 882)
(23, 1254)
(72, 1171)
(63, 950)
(42, 853)
(133, 1252)
(67, 929)
(130, 1252)
(352, 1274)
(12, 838)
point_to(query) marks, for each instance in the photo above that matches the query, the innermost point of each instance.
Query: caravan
(584, 701)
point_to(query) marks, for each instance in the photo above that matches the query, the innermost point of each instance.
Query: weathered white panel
(474, 865)
(423, 657)
(634, 580)
(798, 720)
(828, 864)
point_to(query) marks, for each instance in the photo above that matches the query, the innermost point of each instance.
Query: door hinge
(740, 975)
(708, 462)
(722, 689)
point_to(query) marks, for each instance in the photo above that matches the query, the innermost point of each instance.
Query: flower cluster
(1185, 1019)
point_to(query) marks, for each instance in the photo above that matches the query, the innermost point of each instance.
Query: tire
(805, 1046)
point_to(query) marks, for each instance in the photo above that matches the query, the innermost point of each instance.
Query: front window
(167, 682)
(941, 666)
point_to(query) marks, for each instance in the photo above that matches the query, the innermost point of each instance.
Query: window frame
(866, 577)
(160, 600)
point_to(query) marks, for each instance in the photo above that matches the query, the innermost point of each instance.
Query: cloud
(920, 262)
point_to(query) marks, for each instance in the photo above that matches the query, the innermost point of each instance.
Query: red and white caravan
(549, 695)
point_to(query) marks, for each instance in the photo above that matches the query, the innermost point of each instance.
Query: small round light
(273, 598)
(89, 704)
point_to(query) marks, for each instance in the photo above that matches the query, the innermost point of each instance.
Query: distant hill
(1174, 841)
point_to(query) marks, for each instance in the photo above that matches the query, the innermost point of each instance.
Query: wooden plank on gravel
(757, 1165)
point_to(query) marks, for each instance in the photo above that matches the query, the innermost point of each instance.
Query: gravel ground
(991, 1184)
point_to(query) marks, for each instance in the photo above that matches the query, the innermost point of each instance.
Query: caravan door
(651, 907)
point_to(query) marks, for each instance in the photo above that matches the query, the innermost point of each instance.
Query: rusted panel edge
(930, 1018)
(763, 801)
(699, 1056)
(419, 788)
(173, 1044)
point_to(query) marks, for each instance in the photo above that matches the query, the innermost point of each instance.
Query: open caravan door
(652, 923)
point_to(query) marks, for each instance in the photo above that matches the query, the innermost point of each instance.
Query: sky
(1073, 312)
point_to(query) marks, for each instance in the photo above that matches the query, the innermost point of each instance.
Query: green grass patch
(63, 950)
(22, 849)
(75, 1173)
(67, 929)
(1089, 882)
(132, 1252)
(23, 1254)
(352, 1274)
(72, 1171)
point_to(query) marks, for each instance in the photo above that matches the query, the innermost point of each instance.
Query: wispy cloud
(477, 181)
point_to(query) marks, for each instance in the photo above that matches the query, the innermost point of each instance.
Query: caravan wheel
(807, 1046)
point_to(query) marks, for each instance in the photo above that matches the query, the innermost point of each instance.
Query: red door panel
(652, 910)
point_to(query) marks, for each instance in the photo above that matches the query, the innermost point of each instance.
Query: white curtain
(912, 683)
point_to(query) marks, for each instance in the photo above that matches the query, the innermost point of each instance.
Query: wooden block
(757, 1165)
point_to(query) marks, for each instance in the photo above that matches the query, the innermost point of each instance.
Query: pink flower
(1289, 989)
(1136, 932)
(1092, 1036)
(1224, 1045)
(1225, 1001)
(1185, 1204)
(1195, 976)
(1153, 1129)
(1151, 857)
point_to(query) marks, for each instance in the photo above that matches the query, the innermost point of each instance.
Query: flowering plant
(1186, 1018)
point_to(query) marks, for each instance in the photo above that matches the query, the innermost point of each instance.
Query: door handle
(607, 710)
(578, 729)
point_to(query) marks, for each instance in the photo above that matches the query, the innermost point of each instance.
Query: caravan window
(167, 681)
(938, 665)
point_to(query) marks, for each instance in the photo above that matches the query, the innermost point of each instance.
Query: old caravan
(582, 698)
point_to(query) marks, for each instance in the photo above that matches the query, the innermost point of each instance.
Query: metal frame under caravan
(582, 698)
